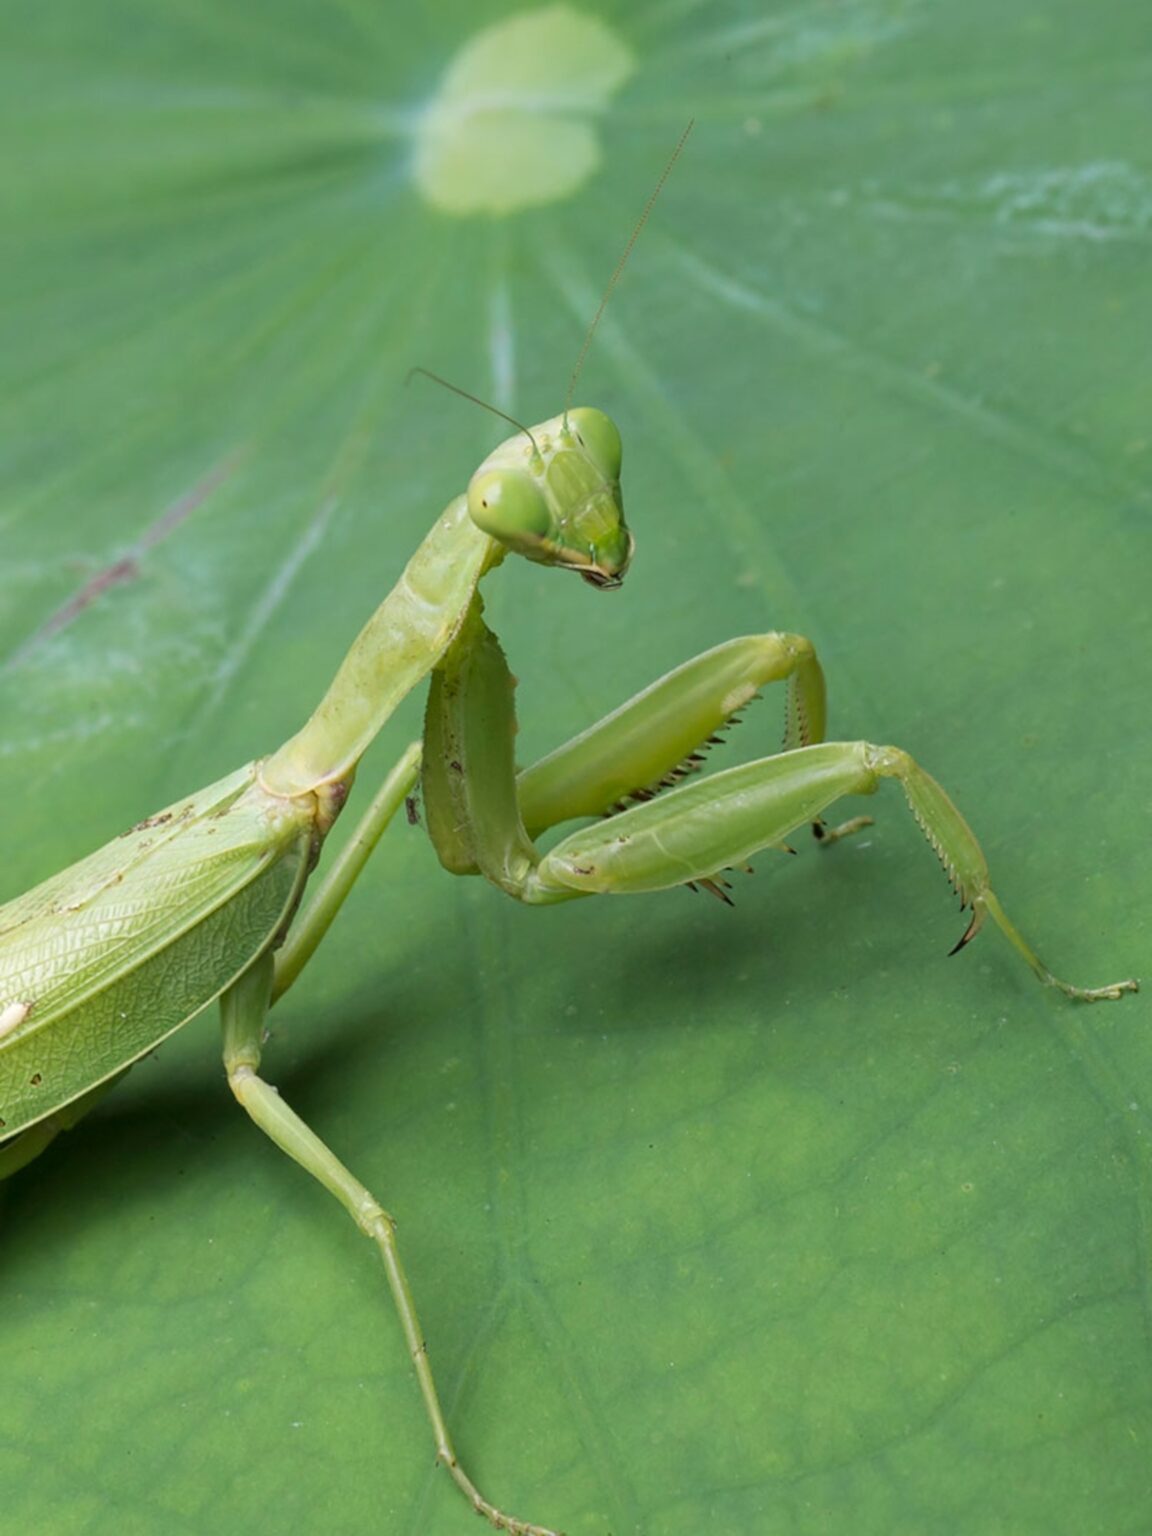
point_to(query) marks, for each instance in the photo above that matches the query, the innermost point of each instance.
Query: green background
(769, 1219)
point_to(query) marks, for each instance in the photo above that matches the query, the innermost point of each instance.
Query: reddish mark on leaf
(127, 568)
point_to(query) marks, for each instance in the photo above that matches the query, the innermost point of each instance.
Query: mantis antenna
(476, 400)
(622, 263)
(612, 281)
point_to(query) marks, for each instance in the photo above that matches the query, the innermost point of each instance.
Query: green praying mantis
(203, 902)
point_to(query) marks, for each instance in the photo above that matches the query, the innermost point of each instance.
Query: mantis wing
(102, 961)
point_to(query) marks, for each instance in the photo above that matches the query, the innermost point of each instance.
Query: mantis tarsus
(203, 900)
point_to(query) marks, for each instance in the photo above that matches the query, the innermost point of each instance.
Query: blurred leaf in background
(771, 1219)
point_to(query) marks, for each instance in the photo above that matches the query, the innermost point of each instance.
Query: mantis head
(553, 495)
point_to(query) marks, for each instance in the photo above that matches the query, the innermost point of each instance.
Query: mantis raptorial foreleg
(659, 737)
(481, 817)
(480, 821)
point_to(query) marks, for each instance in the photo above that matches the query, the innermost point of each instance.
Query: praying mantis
(204, 901)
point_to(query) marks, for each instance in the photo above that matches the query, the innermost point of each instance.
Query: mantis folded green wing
(160, 922)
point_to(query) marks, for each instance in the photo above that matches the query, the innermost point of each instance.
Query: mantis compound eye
(509, 506)
(600, 437)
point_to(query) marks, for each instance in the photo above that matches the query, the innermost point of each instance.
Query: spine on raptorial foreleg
(952, 839)
(659, 737)
(807, 720)
(704, 826)
(396, 649)
(958, 851)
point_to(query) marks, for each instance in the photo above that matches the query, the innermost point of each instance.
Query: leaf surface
(769, 1219)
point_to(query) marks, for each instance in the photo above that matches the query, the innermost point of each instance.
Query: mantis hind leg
(244, 1008)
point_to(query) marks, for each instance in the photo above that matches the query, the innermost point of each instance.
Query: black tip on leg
(970, 932)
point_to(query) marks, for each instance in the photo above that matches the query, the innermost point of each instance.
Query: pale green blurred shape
(508, 126)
